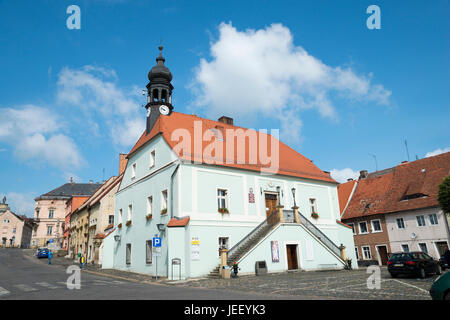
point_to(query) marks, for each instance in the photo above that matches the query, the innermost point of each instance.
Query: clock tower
(159, 92)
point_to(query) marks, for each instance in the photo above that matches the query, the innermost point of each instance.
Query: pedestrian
(50, 255)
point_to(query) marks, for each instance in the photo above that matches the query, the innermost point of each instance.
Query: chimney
(363, 174)
(226, 120)
(91, 182)
(122, 162)
(71, 180)
(349, 179)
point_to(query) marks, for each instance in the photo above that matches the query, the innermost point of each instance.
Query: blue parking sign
(156, 242)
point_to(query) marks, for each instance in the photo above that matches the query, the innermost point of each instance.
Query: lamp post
(293, 195)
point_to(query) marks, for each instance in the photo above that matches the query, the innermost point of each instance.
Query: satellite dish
(413, 235)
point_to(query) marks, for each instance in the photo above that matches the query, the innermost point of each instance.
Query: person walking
(50, 256)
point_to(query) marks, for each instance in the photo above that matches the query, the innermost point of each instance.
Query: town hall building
(217, 194)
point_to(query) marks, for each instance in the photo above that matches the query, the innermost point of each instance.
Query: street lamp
(161, 227)
(293, 195)
(117, 237)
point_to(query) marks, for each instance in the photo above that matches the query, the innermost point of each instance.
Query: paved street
(23, 276)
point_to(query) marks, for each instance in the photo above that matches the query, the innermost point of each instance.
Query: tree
(444, 195)
(444, 201)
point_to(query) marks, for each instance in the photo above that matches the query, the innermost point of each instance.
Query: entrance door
(441, 245)
(271, 203)
(291, 252)
(382, 251)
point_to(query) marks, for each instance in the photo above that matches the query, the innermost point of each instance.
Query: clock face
(164, 110)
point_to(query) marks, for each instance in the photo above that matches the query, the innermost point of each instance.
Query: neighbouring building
(71, 205)
(284, 216)
(50, 213)
(397, 209)
(15, 230)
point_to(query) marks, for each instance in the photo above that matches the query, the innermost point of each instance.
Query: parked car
(413, 263)
(440, 289)
(43, 253)
(444, 265)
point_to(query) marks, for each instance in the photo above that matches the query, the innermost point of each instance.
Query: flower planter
(314, 215)
(164, 211)
(149, 217)
(119, 225)
(223, 210)
(128, 223)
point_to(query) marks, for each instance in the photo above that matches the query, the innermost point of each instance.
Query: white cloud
(263, 71)
(341, 176)
(94, 91)
(33, 132)
(436, 152)
(20, 203)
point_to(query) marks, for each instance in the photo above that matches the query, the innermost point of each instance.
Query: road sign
(157, 252)
(50, 241)
(156, 242)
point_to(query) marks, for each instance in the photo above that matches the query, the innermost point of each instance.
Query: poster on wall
(195, 248)
(275, 251)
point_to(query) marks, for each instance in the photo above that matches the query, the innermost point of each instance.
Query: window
(376, 225)
(150, 205)
(14, 230)
(433, 219)
(222, 201)
(423, 247)
(366, 253)
(405, 248)
(37, 213)
(363, 227)
(420, 221)
(164, 202)
(152, 158)
(128, 254)
(133, 171)
(130, 212)
(49, 230)
(400, 223)
(223, 243)
(313, 205)
(356, 253)
(120, 215)
(148, 251)
(111, 219)
(353, 227)
(51, 212)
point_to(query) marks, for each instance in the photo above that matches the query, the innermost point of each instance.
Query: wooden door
(382, 251)
(291, 251)
(271, 203)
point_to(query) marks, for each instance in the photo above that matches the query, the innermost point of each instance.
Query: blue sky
(71, 100)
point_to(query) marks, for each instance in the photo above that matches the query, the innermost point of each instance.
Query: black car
(413, 263)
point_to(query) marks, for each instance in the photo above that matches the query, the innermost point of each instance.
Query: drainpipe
(171, 188)
(88, 231)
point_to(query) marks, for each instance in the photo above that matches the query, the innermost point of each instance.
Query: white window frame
(164, 200)
(351, 224)
(423, 218)
(373, 229)
(51, 230)
(367, 227)
(148, 252)
(313, 205)
(133, 171)
(431, 221)
(120, 216)
(420, 249)
(403, 223)
(52, 212)
(403, 250)
(364, 253)
(130, 212)
(152, 158)
(128, 254)
(150, 205)
(222, 197)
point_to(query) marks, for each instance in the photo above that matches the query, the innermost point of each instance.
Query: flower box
(315, 215)
(223, 210)
(149, 216)
(163, 211)
(119, 225)
(128, 223)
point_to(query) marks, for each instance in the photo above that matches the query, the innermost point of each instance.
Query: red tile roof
(344, 193)
(291, 163)
(408, 186)
(178, 222)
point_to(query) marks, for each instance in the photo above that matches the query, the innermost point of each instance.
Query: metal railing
(271, 220)
(319, 234)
